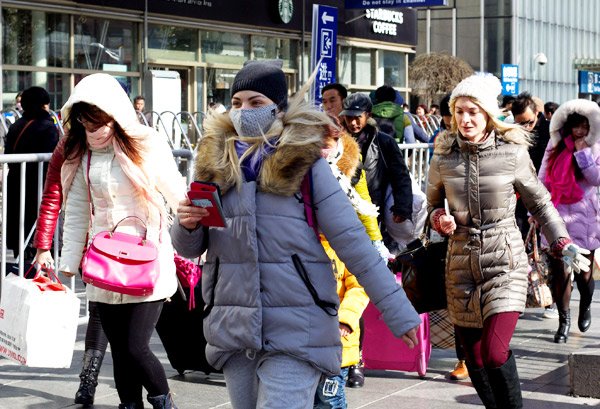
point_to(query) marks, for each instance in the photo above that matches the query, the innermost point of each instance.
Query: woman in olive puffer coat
(479, 168)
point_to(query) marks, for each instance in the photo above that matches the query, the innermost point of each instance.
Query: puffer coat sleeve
(51, 200)
(77, 222)
(537, 199)
(338, 222)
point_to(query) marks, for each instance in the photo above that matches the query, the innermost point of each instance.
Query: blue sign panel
(324, 46)
(589, 82)
(510, 79)
(369, 4)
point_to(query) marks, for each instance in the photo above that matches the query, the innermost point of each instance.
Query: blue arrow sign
(324, 46)
(369, 4)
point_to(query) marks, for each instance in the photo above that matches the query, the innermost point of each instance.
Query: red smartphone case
(207, 196)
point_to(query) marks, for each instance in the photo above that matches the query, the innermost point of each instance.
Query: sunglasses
(82, 120)
(530, 122)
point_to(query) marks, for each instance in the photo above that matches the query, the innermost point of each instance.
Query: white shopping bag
(38, 322)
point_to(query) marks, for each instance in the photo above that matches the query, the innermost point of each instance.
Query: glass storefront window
(14, 82)
(35, 38)
(356, 66)
(392, 68)
(172, 43)
(270, 48)
(225, 48)
(218, 85)
(102, 44)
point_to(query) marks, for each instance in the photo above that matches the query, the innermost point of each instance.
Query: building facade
(55, 43)
(551, 41)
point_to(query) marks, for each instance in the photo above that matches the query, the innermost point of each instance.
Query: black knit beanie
(265, 77)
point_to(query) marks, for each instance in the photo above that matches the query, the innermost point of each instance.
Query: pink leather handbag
(120, 262)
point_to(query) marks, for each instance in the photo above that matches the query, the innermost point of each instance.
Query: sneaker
(460, 371)
(550, 312)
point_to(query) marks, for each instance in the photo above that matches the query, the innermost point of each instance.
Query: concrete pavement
(542, 367)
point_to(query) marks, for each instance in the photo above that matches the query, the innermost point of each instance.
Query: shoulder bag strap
(21, 134)
(89, 161)
(306, 191)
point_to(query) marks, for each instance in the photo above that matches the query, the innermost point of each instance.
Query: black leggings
(562, 284)
(95, 338)
(129, 328)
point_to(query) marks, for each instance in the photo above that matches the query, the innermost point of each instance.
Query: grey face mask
(253, 122)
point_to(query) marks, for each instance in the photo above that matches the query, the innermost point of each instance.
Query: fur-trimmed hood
(351, 157)
(445, 140)
(589, 109)
(300, 137)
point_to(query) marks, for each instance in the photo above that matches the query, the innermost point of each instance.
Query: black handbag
(423, 268)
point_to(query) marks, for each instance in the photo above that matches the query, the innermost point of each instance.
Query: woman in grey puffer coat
(268, 284)
(478, 169)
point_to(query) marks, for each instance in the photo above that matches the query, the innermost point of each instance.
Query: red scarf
(561, 177)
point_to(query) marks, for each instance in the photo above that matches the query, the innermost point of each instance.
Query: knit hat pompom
(266, 77)
(483, 88)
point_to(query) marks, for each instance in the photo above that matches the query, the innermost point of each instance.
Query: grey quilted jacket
(486, 268)
(267, 272)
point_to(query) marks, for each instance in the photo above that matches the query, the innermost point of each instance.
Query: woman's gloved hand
(384, 253)
(573, 257)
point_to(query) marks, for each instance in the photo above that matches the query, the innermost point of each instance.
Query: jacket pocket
(329, 307)
(208, 308)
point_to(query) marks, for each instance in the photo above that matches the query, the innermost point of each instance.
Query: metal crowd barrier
(429, 123)
(416, 157)
(39, 160)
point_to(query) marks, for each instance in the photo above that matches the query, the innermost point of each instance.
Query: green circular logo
(286, 10)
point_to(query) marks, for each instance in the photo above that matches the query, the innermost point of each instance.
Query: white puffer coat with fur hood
(114, 197)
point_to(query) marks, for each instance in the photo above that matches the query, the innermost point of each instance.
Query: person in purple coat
(571, 172)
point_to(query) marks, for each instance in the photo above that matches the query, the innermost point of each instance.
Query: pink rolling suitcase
(381, 350)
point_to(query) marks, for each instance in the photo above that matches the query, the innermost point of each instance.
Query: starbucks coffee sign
(385, 21)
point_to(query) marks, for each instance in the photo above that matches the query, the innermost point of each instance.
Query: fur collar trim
(300, 131)
(351, 157)
(445, 141)
(583, 107)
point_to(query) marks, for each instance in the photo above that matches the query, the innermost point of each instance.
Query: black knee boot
(92, 361)
(481, 383)
(505, 384)
(564, 324)
(585, 316)
(162, 402)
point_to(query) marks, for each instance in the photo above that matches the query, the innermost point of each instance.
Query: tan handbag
(538, 291)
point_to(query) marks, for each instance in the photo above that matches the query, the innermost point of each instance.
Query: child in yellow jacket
(343, 155)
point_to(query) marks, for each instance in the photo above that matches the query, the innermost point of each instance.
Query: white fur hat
(483, 88)
(584, 107)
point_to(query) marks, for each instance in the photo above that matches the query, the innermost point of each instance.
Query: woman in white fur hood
(120, 168)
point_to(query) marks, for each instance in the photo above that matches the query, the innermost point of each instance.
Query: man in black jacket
(526, 114)
(382, 161)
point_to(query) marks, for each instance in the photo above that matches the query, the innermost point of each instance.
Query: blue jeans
(270, 380)
(330, 392)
